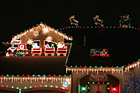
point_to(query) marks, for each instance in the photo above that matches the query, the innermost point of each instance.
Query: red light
(114, 89)
(40, 86)
(2, 85)
(54, 75)
(7, 86)
(35, 86)
(23, 75)
(103, 82)
(98, 82)
(85, 66)
(28, 75)
(49, 75)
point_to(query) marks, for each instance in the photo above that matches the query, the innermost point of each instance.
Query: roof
(122, 44)
(41, 32)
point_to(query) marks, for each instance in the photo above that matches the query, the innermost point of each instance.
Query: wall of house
(137, 72)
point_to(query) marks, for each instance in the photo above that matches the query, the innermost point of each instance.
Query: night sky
(18, 16)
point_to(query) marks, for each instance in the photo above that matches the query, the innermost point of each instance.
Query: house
(92, 64)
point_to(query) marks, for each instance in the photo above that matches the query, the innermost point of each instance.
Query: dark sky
(18, 16)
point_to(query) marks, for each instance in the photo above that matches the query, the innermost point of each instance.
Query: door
(94, 88)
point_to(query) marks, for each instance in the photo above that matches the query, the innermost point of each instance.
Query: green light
(30, 86)
(107, 83)
(88, 88)
(70, 66)
(17, 87)
(33, 75)
(51, 86)
(101, 66)
(44, 75)
(7, 75)
(46, 85)
(91, 26)
(88, 82)
(38, 75)
(83, 88)
(12, 86)
(65, 84)
(65, 75)
(117, 67)
(108, 88)
(93, 82)
(59, 75)
(56, 86)
(12, 75)
(18, 75)
(66, 60)
(122, 66)
(25, 87)
(95, 66)
(70, 75)
(114, 26)
(72, 26)
(19, 90)
(132, 27)
(90, 66)
(75, 66)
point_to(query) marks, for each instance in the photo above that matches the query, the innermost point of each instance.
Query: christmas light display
(29, 37)
(30, 42)
(22, 49)
(125, 21)
(66, 83)
(73, 21)
(36, 50)
(97, 21)
(102, 53)
(16, 42)
(132, 85)
(87, 89)
(53, 82)
(11, 51)
(96, 69)
(52, 48)
(49, 39)
(61, 49)
(45, 31)
(49, 50)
